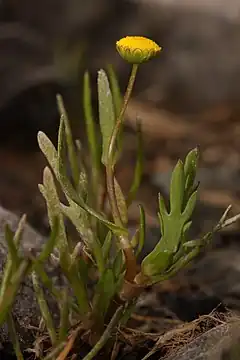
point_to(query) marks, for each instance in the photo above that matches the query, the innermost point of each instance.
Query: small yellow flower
(137, 49)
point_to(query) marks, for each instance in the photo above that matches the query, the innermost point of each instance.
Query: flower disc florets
(137, 49)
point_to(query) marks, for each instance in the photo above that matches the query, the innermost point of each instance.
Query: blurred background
(188, 96)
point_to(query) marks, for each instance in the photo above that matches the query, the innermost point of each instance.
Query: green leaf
(48, 190)
(104, 291)
(19, 232)
(79, 218)
(117, 230)
(173, 227)
(64, 317)
(49, 151)
(51, 154)
(95, 151)
(50, 244)
(177, 189)
(138, 171)
(117, 103)
(11, 264)
(142, 230)
(106, 113)
(121, 202)
(69, 140)
(83, 186)
(8, 297)
(12, 249)
(118, 264)
(61, 151)
(14, 337)
(190, 206)
(134, 240)
(107, 246)
(116, 92)
(56, 163)
(190, 168)
(157, 262)
(45, 312)
(163, 213)
(49, 284)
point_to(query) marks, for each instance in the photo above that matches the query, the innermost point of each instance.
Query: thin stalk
(9, 264)
(44, 309)
(131, 264)
(64, 321)
(6, 278)
(70, 143)
(38, 268)
(14, 283)
(107, 334)
(14, 337)
(112, 144)
(55, 352)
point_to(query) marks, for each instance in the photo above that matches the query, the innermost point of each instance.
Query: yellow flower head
(137, 49)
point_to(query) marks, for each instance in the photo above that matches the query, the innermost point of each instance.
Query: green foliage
(102, 249)
(176, 223)
(106, 112)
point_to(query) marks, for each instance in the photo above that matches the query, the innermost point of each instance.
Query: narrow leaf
(190, 206)
(95, 151)
(8, 297)
(50, 244)
(50, 194)
(190, 167)
(45, 312)
(117, 230)
(14, 337)
(118, 264)
(177, 189)
(117, 103)
(106, 113)
(64, 313)
(107, 246)
(105, 290)
(142, 230)
(48, 150)
(116, 92)
(69, 139)
(12, 249)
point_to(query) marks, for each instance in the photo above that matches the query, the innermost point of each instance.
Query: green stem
(106, 335)
(45, 312)
(69, 139)
(14, 283)
(14, 337)
(92, 138)
(111, 152)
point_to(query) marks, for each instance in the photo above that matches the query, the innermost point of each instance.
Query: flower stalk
(112, 145)
(130, 259)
